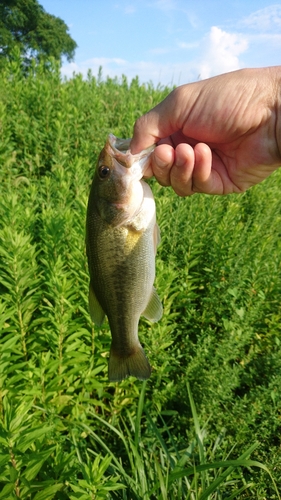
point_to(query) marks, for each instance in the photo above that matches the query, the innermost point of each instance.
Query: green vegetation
(207, 424)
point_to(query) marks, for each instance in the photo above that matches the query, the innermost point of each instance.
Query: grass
(163, 472)
(207, 423)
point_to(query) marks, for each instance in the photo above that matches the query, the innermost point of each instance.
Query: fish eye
(104, 172)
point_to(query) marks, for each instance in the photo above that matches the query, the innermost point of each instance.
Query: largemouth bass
(121, 241)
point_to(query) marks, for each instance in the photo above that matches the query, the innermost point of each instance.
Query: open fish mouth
(120, 150)
(122, 145)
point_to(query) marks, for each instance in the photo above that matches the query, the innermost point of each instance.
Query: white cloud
(147, 71)
(165, 5)
(160, 50)
(188, 46)
(267, 19)
(130, 9)
(221, 52)
(110, 66)
(270, 40)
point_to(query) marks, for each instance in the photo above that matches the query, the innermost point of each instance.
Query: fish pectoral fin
(96, 311)
(156, 237)
(154, 310)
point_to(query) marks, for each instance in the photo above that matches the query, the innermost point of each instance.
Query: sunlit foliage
(207, 424)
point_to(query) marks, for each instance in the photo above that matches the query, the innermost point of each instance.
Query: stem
(22, 332)
(14, 464)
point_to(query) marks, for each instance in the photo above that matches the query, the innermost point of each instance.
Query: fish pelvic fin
(154, 310)
(96, 312)
(121, 367)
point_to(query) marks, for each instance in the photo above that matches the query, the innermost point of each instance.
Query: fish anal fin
(96, 312)
(135, 364)
(154, 310)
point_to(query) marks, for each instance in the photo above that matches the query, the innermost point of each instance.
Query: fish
(122, 236)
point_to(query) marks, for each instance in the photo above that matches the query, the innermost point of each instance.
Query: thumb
(160, 122)
(146, 132)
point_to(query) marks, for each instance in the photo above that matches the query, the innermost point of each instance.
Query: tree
(25, 23)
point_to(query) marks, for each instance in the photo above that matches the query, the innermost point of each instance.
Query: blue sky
(170, 42)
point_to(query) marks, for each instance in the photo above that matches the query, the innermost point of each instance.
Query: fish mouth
(120, 145)
(120, 150)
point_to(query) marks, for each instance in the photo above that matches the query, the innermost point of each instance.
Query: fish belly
(123, 272)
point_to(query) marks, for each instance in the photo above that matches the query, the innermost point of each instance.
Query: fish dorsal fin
(96, 311)
(154, 310)
(157, 237)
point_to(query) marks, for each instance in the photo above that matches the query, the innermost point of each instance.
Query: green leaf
(28, 437)
(7, 490)
(34, 463)
(4, 459)
(240, 490)
(232, 464)
(49, 492)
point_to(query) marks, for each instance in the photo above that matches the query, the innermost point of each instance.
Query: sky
(169, 42)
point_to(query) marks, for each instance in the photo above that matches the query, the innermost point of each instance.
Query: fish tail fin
(136, 364)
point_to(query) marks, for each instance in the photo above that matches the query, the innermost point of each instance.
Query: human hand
(215, 136)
